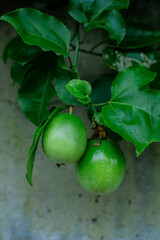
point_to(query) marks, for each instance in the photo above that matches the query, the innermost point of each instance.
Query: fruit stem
(101, 131)
(71, 108)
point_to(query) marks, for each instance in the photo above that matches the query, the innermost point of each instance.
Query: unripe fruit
(65, 138)
(102, 167)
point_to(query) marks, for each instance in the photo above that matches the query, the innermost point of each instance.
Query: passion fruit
(102, 167)
(65, 139)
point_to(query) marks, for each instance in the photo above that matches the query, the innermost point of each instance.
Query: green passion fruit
(102, 167)
(64, 139)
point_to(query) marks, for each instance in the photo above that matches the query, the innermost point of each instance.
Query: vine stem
(70, 62)
(86, 51)
(74, 34)
(84, 38)
(76, 48)
(89, 52)
(99, 104)
(97, 45)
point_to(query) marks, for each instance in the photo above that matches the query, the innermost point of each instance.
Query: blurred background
(56, 207)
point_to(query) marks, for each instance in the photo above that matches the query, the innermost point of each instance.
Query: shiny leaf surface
(81, 89)
(36, 91)
(139, 35)
(39, 29)
(134, 112)
(100, 14)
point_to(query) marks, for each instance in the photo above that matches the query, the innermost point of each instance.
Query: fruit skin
(65, 138)
(102, 168)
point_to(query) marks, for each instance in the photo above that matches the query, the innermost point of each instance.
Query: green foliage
(101, 89)
(81, 89)
(20, 52)
(33, 148)
(98, 118)
(119, 59)
(62, 64)
(125, 100)
(132, 112)
(155, 84)
(100, 14)
(18, 72)
(61, 78)
(37, 91)
(36, 28)
(101, 93)
(139, 35)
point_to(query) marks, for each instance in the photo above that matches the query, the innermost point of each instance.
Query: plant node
(101, 132)
(71, 108)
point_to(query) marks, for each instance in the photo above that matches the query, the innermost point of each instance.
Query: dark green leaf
(139, 35)
(84, 12)
(98, 118)
(101, 14)
(113, 22)
(18, 72)
(37, 89)
(158, 4)
(20, 52)
(39, 29)
(121, 59)
(80, 89)
(101, 92)
(101, 89)
(132, 112)
(33, 148)
(61, 78)
(84, 100)
(156, 83)
(62, 64)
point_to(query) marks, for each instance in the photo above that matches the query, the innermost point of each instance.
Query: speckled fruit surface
(65, 138)
(102, 168)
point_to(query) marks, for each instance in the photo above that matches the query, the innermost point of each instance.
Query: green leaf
(101, 89)
(84, 12)
(100, 14)
(61, 78)
(39, 29)
(121, 59)
(101, 92)
(133, 110)
(61, 63)
(84, 100)
(80, 89)
(36, 91)
(18, 72)
(111, 21)
(156, 83)
(139, 35)
(98, 118)
(20, 52)
(33, 148)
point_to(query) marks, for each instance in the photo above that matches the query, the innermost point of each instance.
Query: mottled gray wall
(57, 208)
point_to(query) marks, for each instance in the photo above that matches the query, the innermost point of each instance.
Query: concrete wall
(57, 208)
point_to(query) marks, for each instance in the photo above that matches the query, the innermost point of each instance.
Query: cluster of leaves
(125, 102)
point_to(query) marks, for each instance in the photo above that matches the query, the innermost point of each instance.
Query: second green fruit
(102, 167)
